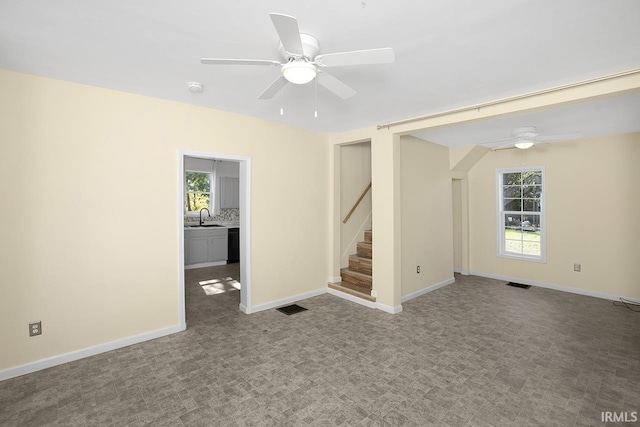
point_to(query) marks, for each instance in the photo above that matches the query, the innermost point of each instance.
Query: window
(521, 218)
(198, 194)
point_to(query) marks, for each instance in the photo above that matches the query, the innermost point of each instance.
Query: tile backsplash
(226, 215)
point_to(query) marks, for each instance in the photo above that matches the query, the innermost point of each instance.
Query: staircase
(356, 279)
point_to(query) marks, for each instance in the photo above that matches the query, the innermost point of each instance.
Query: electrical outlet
(577, 267)
(35, 328)
(418, 270)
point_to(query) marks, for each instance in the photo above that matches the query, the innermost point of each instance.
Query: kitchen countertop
(219, 225)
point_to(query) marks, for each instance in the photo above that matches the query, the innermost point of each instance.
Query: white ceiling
(448, 54)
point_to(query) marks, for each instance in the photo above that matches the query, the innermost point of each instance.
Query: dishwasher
(233, 246)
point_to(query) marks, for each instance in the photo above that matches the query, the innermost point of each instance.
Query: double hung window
(521, 217)
(198, 194)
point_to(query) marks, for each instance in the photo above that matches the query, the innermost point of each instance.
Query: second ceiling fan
(301, 63)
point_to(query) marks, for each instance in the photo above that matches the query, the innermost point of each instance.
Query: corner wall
(592, 204)
(427, 228)
(81, 165)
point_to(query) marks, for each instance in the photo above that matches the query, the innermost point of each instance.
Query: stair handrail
(355, 205)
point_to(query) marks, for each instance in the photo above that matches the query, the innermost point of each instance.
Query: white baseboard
(364, 302)
(243, 308)
(49, 362)
(336, 279)
(463, 272)
(351, 298)
(285, 301)
(578, 291)
(388, 308)
(428, 289)
(205, 264)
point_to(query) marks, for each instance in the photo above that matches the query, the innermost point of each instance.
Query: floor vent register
(291, 309)
(518, 285)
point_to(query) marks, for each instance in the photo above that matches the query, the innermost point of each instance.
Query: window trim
(186, 191)
(500, 249)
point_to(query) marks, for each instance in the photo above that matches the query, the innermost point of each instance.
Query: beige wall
(355, 175)
(592, 205)
(456, 195)
(89, 223)
(427, 229)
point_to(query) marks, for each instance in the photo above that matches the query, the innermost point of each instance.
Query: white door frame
(245, 226)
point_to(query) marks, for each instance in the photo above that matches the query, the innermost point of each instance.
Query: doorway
(244, 197)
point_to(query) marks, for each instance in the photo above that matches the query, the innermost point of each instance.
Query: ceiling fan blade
(506, 146)
(287, 29)
(357, 57)
(563, 137)
(499, 143)
(221, 61)
(273, 88)
(336, 86)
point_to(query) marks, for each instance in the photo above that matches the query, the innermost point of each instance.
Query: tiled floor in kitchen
(212, 293)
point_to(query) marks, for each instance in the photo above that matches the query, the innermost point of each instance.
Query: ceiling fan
(301, 63)
(527, 137)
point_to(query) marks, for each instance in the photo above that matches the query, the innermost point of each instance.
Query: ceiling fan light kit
(299, 72)
(523, 145)
(301, 60)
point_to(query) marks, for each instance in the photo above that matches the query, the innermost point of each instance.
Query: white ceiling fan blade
(357, 57)
(499, 142)
(336, 86)
(273, 88)
(287, 29)
(221, 61)
(563, 137)
(506, 146)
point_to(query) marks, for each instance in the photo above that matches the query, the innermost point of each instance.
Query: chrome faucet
(208, 213)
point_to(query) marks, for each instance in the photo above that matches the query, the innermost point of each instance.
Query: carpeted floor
(474, 353)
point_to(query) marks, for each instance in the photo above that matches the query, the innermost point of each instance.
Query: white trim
(428, 289)
(336, 279)
(364, 302)
(288, 300)
(182, 311)
(349, 297)
(463, 272)
(86, 352)
(245, 225)
(388, 308)
(205, 264)
(571, 290)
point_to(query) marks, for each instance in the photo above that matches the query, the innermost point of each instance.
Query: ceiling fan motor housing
(310, 48)
(528, 132)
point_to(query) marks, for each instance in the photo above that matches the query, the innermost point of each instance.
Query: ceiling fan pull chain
(315, 114)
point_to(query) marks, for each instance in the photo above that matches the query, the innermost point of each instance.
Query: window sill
(540, 260)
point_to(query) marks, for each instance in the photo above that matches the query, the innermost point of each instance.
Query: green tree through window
(198, 194)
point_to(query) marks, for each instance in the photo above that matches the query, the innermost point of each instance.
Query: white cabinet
(205, 246)
(229, 192)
